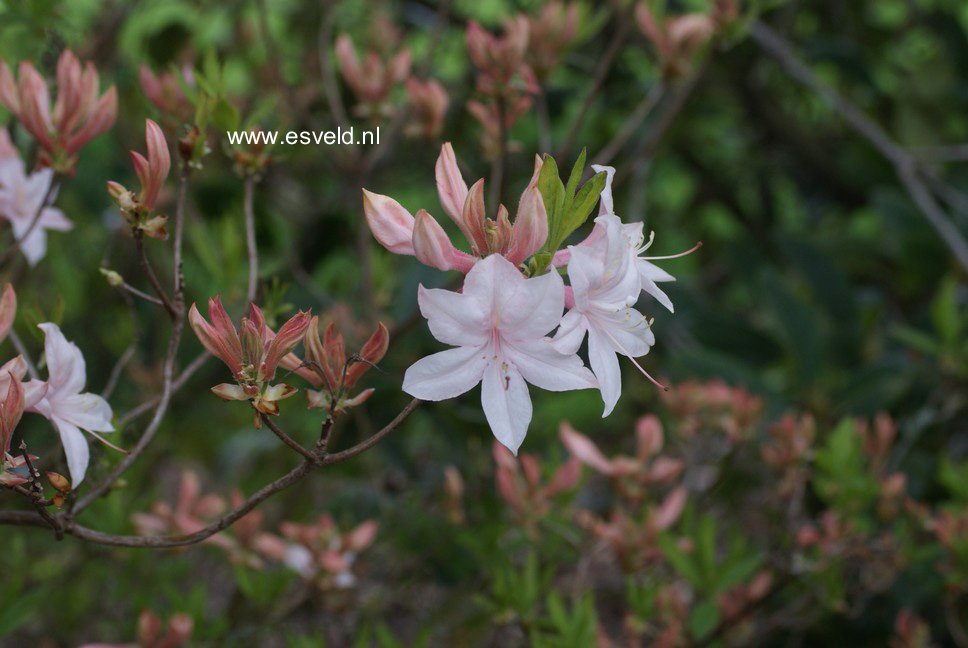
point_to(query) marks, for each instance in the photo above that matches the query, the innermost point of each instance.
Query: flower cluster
(372, 79)
(500, 322)
(79, 114)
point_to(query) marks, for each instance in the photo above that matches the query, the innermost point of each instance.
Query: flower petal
(86, 411)
(75, 449)
(453, 318)
(604, 362)
(544, 366)
(446, 374)
(506, 403)
(65, 364)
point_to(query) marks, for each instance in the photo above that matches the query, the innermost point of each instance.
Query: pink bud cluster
(79, 114)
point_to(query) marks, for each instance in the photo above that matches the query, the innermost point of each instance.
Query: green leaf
(944, 313)
(680, 561)
(703, 619)
(553, 193)
(574, 178)
(582, 205)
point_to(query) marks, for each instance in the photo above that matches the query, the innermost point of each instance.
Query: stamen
(107, 443)
(637, 365)
(676, 256)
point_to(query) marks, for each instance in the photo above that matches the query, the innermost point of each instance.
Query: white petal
(75, 448)
(65, 364)
(649, 286)
(606, 202)
(507, 404)
(53, 218)
(571, 332)
(446, 374)
(453, 318)
(601, 356)
(533, 309)
(544, 366)
(86, 411)
(490, 277)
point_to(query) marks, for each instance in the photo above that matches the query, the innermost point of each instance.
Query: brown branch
(252, 251)
(288, 440)
(178, 280)
(904, 164)
(10, 251)
(295, 475)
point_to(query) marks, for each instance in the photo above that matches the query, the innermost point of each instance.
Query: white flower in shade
(605, 284)
(65, 406)
(20, 198)
(498, 326)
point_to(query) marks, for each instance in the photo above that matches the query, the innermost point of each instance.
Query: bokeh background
(821, 294)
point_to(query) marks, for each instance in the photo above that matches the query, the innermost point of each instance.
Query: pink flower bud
(372, 352)
(11, 410)
(391, 224)
(7, 149)
(432, 246)
(530, 229)
(8, 310)
(159, 163)
(451, 186)
(648, 429)
(9, 94)
(284, 341)
(583, 449)
(219, 338)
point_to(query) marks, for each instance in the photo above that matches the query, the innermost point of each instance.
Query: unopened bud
(58, 481)
(113, 278)
(57, 500)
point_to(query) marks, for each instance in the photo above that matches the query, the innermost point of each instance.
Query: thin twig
(177, 384)
(178, 281)
(18, 242)
(134, 292)
(604, 66)
(288, 440)
(904, 164)
(497, 164)
(250, 244)
(139, 241)
(295, 475)
(633, 121)
(119, 366)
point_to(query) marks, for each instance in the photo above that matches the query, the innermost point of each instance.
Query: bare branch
(250, 244)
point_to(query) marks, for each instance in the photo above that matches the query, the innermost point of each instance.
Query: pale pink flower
(605, 286)
(498, 326)
(21, 196)
(65, 405)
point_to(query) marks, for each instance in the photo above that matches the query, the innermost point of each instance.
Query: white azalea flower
(498, 326)
(65, 406)
(20, 198)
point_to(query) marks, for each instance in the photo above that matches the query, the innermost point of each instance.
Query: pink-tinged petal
(35, 392)
(349, 63)
(670, 509)
(222, 344)
(583, 449)
(453, 318)
(391, 224)
(75, 449)
(530, 229)
(8, 310)
(531, 468)
(604, 362)
(648, 431)
(506, 486)
(230, 392)
(446, 374)
(472, 219)
(571, 332)
(101, 119)
(159, 162)
(278, 392)
(143, 170)
(451, 186)
(606, 206)
(86, 411)
(65, 363)
(53, 219)
(362, 536)
(565, 478)
(372, 352)
(35, 104)
(432, 246)
(562, 257)
(7, 149)
(545, 367)
(664, 470)
(506, 403)
(285, 341)
(359, 399)
(16, 367)
(11, 410)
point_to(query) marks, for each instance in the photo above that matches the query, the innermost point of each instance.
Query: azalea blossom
(152, 171)
(498, 326)
(21, 197)
(399, 232)
(65, 405)
(605, 286)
